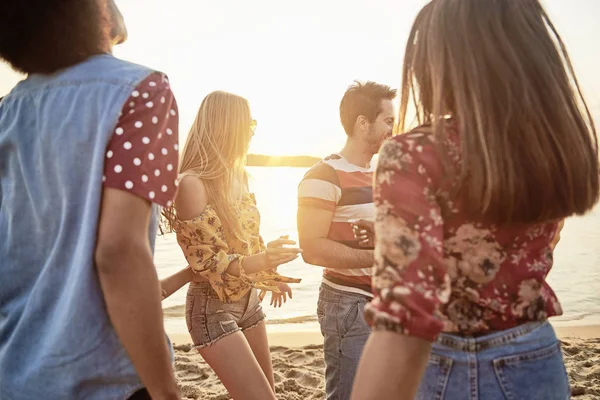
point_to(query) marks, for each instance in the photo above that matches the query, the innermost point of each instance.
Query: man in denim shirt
(80, 313)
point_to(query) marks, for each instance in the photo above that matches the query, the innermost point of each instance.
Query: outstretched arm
(191, 201)
(176, 281)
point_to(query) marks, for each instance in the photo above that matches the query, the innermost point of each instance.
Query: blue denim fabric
(345, 333)
(56, 340)
(520, 363)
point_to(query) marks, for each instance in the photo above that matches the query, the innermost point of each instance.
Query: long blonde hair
(215, 152)
(528, 142)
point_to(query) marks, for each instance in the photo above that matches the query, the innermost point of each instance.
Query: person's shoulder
(417, 141)
(192, 197)
(324, 170)
(418, 149)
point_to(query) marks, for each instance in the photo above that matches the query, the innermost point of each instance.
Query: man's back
(54, 329)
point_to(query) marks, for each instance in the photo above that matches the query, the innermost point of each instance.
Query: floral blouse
(209, 252)
(436, 270)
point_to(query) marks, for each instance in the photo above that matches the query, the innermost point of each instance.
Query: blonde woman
(217, 225)
(470, 205)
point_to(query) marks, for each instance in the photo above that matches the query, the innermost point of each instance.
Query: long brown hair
(215, 152)
(500, 69)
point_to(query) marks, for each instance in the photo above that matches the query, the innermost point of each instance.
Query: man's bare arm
(313, 227)
(131, 289)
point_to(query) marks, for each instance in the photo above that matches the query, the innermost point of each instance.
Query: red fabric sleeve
(142, 154)
(410, 279)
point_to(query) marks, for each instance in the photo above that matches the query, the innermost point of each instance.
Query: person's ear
(362, 123)
(118, 30)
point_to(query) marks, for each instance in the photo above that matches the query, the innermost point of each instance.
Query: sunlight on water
(575, 276)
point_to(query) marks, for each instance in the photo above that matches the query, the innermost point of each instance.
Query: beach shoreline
(299, 366)
(299, 338)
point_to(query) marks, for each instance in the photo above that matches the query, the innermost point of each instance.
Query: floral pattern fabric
(209, 251)
(438, 271)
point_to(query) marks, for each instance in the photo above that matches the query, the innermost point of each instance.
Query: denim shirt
(56, 339)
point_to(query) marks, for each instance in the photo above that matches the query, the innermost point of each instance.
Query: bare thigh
(236, 366)
(257, 339)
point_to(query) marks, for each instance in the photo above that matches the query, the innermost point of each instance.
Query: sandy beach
(299, 366)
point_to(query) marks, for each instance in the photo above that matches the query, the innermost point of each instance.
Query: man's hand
(364, 232)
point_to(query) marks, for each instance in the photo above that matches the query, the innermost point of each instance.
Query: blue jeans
(520, 363)
(345, 332)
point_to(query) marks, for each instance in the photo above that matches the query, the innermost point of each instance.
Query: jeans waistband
(331, 291)
(201, 288)
(492, 340)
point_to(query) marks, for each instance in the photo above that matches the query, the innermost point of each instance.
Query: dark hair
(363, 99)
(528, 142)
(43, 36)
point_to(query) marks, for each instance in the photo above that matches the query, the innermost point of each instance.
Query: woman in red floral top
(469, 206)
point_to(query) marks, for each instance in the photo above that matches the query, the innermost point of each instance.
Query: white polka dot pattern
(138, 158)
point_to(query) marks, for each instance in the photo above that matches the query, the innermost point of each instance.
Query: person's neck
(356, 153)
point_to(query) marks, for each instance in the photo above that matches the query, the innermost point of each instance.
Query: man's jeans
(345, 331)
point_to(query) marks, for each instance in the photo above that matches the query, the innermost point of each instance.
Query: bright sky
(294, 59)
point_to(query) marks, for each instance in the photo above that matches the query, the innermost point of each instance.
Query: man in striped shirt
(332, 193)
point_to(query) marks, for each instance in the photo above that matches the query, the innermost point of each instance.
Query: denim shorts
(519, 363)
(209, 319)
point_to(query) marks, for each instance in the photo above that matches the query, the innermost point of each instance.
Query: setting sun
(293, 60)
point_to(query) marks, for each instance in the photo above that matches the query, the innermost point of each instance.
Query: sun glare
(293, 60)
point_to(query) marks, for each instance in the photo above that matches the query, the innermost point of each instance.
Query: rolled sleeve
(411, 280)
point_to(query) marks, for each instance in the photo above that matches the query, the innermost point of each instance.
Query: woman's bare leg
(257, 339)
(236, 366)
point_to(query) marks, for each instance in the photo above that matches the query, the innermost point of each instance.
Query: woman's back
(467, 212)
(483, 277)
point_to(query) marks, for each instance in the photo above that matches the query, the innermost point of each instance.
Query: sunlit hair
(215, 152)
(500, 69)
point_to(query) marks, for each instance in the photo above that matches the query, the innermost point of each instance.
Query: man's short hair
(363, 99)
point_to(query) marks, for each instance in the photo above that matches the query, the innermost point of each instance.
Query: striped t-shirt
(346, 189)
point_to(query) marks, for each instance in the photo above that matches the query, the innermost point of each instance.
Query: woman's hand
(274, 256)
(173, 283)
(277, 255)
(364, 232)
(277, 298)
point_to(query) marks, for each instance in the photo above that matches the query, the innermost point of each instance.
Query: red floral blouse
(436, 270)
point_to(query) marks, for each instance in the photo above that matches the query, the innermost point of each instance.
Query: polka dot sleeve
(142, 154)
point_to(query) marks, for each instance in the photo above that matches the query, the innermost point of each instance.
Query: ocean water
(575, 276)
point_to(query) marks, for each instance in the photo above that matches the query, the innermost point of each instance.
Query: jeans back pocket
(534, 375)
